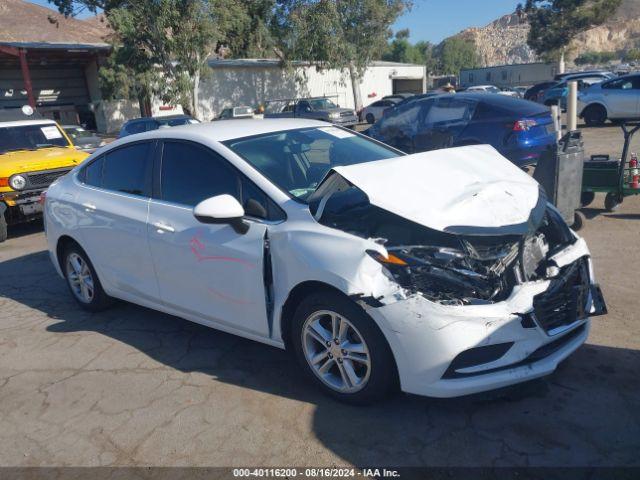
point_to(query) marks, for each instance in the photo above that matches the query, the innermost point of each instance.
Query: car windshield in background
(297, 160)
(78, 132)
(31, 137)
(322, 104)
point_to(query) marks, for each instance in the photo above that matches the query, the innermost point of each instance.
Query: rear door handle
(89, 207)
(163, 227)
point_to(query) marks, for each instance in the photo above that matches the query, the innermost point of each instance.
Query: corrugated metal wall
(51, 86)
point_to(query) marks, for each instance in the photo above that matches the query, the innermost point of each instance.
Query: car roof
(223, 130)
(165, 117)
(525, 107)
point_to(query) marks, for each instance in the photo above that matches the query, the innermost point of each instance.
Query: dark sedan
(520, 130)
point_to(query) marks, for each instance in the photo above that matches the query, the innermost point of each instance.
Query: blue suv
(520, 130)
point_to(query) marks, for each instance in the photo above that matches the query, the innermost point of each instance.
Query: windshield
(322, 104)
(78, 132)
(297, 160)
(31, 137)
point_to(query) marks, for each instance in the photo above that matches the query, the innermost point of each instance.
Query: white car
(442, 273)
(372, 113)
(617, 99)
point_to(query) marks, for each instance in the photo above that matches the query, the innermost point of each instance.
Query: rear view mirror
(221, 209)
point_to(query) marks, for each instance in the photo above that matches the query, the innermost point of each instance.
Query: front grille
(346, 114)
(45, 178)
(565, 300)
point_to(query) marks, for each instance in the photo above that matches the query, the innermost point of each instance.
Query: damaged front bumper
(22, 206)
(447, 351)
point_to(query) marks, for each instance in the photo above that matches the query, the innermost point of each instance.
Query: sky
(434, 20)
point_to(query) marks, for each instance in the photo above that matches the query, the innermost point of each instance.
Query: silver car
(617, 99)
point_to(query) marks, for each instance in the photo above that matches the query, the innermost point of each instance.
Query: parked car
(563, 76)
(483, 89)
(518, 129)
(33, 152)
(139, 125)
(520, 91)
(532, 93)
(83, 139)
(319, 108)
(509, 92)
(375, 111)
(235, 113)
(442, 273)
(617, 99)
(398, 96)
(557, 94)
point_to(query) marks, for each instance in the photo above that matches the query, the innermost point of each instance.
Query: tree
(456, 53)
(341, 34)
(161, 48)
(555, 23)
(400, 49)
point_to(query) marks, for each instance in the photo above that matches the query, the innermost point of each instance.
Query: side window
(191, 173)
(128, 169)
(92, 174)
(402, 117)
(620, 84)
(449, 110)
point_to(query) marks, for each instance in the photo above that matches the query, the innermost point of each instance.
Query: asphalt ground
(134, 387)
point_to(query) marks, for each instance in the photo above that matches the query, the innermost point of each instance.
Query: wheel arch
(299, 292)
(64, 242)
(596, 103)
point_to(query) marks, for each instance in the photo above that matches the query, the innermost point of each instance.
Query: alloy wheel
(80, 278)
(336, 351)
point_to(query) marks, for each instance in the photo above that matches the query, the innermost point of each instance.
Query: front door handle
(163, 227)
(89, 207)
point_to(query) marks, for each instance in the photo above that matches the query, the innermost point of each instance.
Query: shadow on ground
(587, 413)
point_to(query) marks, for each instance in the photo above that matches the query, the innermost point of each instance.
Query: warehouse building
(50, 62)
(516, 75)
(254, 82)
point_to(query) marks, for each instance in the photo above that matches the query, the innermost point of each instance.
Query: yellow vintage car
(33, 153)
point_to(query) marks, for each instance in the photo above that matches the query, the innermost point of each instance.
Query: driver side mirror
(222, 209)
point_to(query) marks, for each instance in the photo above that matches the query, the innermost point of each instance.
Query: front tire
(342, 350)
(82, 280)
(595, 116)
(3, 228)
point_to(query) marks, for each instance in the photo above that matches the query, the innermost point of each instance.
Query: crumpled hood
(466, 190)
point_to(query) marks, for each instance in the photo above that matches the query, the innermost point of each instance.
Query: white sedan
(616, 99)
(374, 112)
(442, 273)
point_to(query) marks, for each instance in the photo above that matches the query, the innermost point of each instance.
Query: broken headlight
(472, 274)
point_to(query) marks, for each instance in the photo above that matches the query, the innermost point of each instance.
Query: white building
(252, 82)
(515, 75)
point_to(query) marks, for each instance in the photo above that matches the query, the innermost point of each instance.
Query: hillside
(504, 40)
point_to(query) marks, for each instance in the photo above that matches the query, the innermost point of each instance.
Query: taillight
(43, 198)
(524, 125)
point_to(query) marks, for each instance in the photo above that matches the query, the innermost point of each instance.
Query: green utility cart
(610, 176)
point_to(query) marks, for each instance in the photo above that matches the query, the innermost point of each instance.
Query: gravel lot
(134, 387)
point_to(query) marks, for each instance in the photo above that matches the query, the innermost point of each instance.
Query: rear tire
(82, 280)
(595, 116)
(611, 202)
(3, 228)
(370, 118)
(336, 342)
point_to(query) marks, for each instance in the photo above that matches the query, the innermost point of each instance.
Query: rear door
(621, 97)
(209, 271)
(113, 204)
